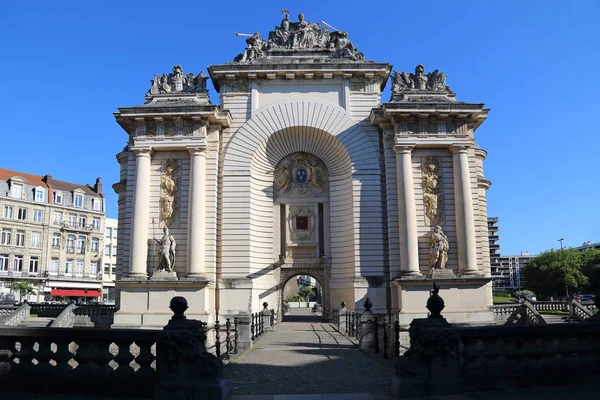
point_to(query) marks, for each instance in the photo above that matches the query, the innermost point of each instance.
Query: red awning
(75, 293)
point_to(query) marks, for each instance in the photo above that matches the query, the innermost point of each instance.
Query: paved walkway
(307, 358)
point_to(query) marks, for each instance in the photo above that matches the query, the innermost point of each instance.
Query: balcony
(80, 250)
(70, 250)
(75, 226)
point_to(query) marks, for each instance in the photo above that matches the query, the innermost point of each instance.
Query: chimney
(47, 178)
(98, 186)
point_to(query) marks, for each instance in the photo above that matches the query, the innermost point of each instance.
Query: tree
(545, 273)
(24, 289)
(306, 293)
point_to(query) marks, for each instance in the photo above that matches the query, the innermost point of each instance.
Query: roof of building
(35, 180)
(51, 183)
(69, 187)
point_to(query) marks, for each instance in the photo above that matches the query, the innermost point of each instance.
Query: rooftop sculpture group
(298, 36)
(177, 82)
(419, 81)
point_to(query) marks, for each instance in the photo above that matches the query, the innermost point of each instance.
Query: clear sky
(68, 65)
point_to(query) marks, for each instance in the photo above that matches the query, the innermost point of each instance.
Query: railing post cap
(178, 305)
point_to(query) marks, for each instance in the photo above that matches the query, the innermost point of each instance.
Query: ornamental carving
(177, 82)
(300, 35)
(419, 81)
(302, 223)
(300, 174)
(169, 188)
(433, 198)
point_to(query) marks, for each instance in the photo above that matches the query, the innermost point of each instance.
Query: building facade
(508, 272)
(301, 170)
(109, 261)
(52, 236)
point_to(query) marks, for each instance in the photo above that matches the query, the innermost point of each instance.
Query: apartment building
(51, 236)
(109, 261)
(508, 271)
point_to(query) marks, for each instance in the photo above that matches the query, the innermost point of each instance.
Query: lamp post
(564, 265)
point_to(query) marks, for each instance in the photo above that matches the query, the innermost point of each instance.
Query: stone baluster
(140, 216)
(407, 211)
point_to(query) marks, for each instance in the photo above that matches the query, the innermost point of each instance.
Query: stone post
(140, 216)
(196, 215)
(342, 318)
(465, 218)
(407, 211)
(367, 321)
(266, 316)
(244, 334)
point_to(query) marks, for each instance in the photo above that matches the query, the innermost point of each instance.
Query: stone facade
(52, 236)
(301, 169)
(109, 261)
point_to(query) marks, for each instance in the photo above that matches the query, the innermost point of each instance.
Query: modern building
(109, 261)
(588, 245)
(52, 236)
(301, 170)
(508, 272)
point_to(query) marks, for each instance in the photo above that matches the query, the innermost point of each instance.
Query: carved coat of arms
(300, 173)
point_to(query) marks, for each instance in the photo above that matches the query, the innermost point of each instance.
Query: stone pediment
(300, 39)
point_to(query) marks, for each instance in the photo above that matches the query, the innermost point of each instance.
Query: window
(54, 266)
(72, 219)
(78, 200)
(22, 215)
(115, 231)
(71, 244)
(3, 262)
(34, 262)
(69, 266)
(107, 268)
(36, 240)
(114, 269)
(81, 245)
(37, 215)
(56, 240)
(107, 250)
(82, 221)
(9, 212)
(18, 264)
(108, 232)
(57, 217)
(58, 197)
(96, 204)
(79, 268)
(20, 238)
(39, 194)
(17, 191)
(95, 244)
(93, 268)
(114, 250)
(96, 223)
(6, 233)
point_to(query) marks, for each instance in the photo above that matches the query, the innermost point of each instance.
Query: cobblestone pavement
(306, 358)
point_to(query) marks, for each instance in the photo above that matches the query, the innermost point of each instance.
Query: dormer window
(16, 191)
(78, 200)
(58, 197)
(39, 194)
(96, 204)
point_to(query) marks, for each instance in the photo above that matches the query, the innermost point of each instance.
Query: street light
(564, 265)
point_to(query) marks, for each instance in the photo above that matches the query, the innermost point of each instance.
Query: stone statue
(431, 191)
(178, 82)
(255, 50)
(438, 249)
(283, 174)
(432, 82)
(169, 188)
(166, 254)
(343, 46)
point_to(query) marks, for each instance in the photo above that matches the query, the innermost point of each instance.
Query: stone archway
(320, 272)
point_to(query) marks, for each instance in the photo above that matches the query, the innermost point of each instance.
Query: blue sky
(67, 66)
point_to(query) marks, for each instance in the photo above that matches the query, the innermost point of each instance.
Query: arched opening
(304, 295)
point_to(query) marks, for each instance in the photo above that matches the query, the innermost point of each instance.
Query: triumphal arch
(301, 169)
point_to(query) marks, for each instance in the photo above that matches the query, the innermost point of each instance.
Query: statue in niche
(431, 191)
(438, 249)
(166, 254)
(169, 188)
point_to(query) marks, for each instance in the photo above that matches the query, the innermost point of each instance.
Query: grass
(503, 299)
(554, 312)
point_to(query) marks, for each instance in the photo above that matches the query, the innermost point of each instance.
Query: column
(141, 211)
(407, 211)
(196, 214)
(465, 218)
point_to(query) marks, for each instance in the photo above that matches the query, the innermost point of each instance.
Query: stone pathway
(307, 358)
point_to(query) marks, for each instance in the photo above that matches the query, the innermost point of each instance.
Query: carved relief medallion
(169, 188)
(302, 223)
(433, 198)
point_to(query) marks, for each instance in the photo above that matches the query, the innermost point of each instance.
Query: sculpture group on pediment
(169, 189)
(300, 35)
(300, 173)
(432, 191)
(419, 81)
(178, 82)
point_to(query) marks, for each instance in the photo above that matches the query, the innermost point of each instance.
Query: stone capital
(459, 148)
(197, 151)
(143, 152)
(403, 148)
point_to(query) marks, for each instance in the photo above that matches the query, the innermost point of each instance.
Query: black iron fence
(224, 338)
